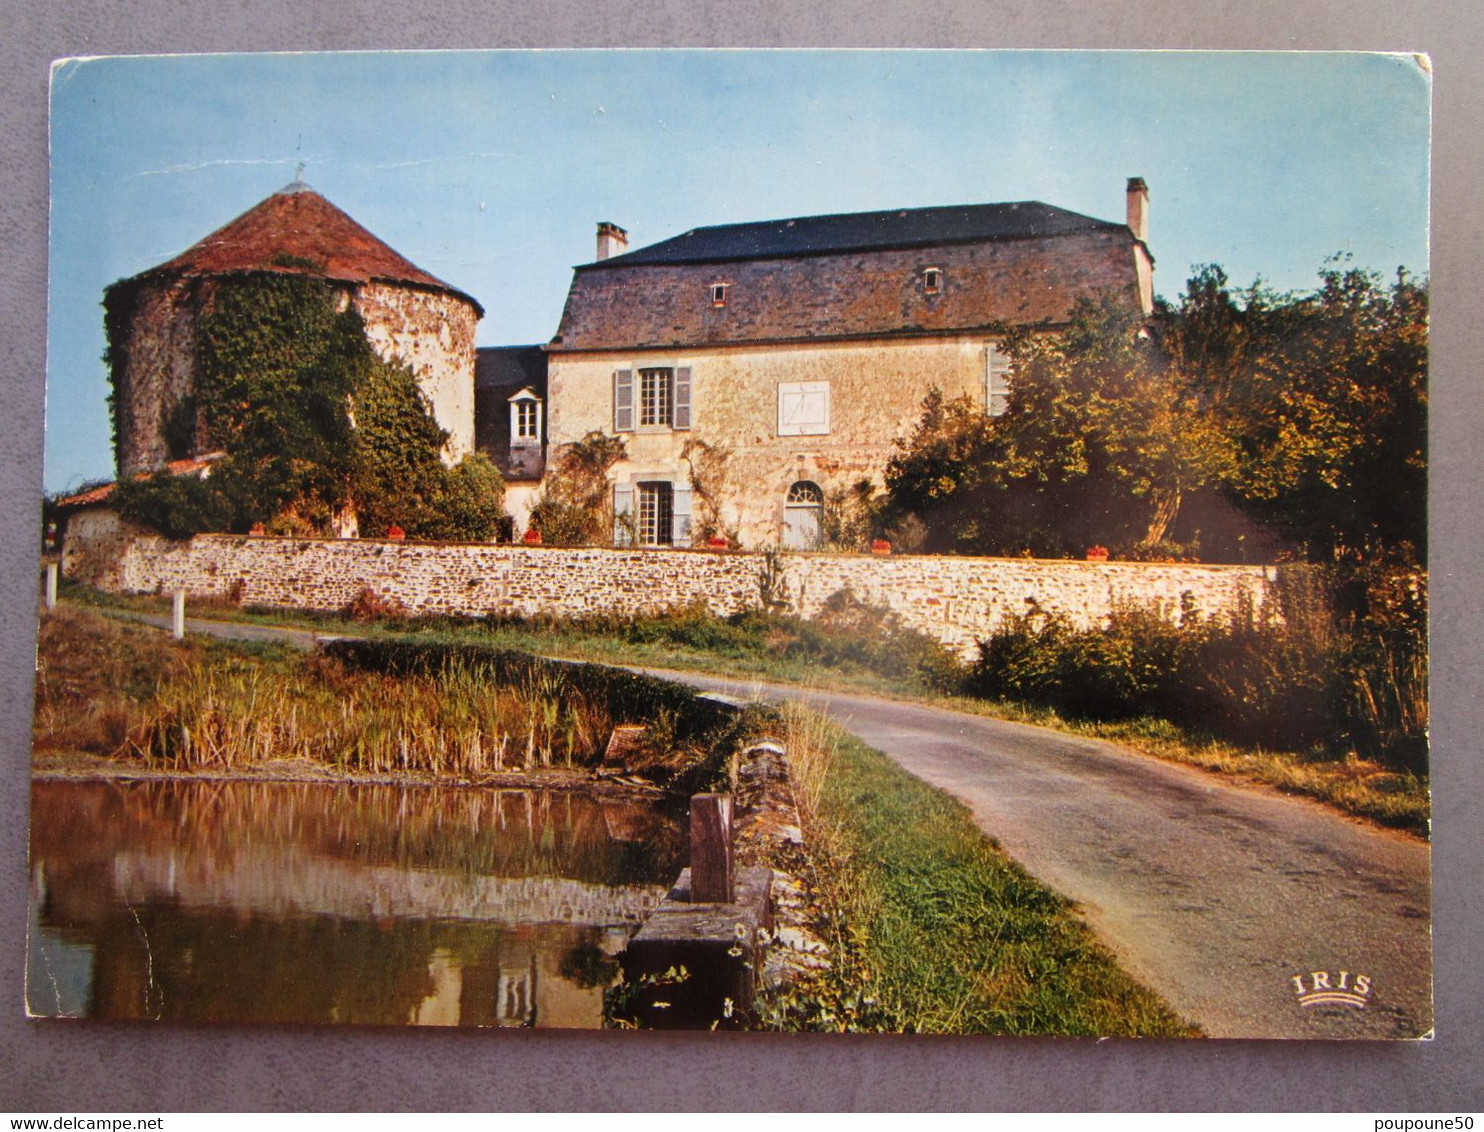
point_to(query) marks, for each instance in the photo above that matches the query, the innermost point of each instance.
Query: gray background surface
(59, 1067)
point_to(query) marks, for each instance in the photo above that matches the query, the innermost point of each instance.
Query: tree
(1305, 415)
(1099, 446)
(575, 507)
(1323, 399)
(946, 475)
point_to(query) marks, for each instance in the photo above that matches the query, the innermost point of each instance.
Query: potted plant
(532, 537)
(880, 546)
(395, 533)
(1097, 554)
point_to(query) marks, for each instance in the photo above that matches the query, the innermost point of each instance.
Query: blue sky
(491, 169)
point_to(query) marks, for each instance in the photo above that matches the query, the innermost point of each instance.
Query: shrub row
(847, 634)
(1295, 675)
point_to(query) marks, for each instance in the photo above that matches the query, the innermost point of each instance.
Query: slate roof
(499, 373)
(508, 368)
(297, 231)
(862, 231)
(851, 276)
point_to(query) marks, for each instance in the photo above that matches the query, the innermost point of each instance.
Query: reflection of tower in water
(458, 995)
(515, 992)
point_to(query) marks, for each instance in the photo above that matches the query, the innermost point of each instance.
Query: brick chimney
(1138, 208)
(612, 240)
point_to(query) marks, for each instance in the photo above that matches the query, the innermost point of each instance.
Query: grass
(932, 928)
(1360, 787)
(128, 692)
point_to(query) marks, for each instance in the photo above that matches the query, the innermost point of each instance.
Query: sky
(491, 169)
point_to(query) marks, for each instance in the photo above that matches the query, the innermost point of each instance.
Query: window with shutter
(804, 408)
(656, 514)
(623, 400)
(656, 397)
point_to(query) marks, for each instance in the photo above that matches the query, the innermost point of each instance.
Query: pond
(199, 900)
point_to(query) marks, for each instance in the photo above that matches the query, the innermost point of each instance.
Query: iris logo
(1320, 988)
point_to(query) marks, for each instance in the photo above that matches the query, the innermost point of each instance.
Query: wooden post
(51, 585)
(711, 873)
(177, 615)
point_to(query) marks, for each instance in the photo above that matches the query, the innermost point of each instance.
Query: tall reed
(453, 721)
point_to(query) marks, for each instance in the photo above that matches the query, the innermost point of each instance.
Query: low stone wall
(958, 601)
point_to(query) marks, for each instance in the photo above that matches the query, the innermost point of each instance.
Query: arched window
(803, 516)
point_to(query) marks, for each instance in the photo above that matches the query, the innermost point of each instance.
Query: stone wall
(158, 355)
(433, 333)
(955, 600)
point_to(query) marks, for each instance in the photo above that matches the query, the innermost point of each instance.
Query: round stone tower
(410, 317)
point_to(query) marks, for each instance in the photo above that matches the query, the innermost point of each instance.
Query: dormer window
(932, 280)
(719, 294)
(525, 419)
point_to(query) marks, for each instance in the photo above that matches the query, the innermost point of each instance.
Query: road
(1214, 893)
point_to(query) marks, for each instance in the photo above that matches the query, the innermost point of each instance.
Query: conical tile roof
(297, 231)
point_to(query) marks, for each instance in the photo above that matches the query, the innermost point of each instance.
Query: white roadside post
(177, 615)
(51, 585)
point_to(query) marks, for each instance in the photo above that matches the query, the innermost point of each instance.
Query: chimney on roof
(1138, 208)
(612, 240)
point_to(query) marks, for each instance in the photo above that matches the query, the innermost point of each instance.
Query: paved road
(1216, 895)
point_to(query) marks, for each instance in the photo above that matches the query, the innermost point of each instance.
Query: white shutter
(681, 415)
(996, 383)
(804, 408)
(623, 514)
(623, 400)
(680, 515)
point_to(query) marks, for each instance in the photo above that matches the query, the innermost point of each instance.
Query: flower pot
(880, 546)
(395, 533)
(1098, 554)
(532, 537)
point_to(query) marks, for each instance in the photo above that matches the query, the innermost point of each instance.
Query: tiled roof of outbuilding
(862, 231)
(297, 231)
(101, 493)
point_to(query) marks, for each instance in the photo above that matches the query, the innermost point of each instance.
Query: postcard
(891, 541)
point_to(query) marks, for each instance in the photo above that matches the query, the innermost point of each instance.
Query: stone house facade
(795, 352)
(410, 316)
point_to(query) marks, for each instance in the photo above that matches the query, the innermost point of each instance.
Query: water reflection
(276, 902)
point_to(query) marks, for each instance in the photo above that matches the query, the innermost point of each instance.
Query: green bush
(176, 506)
(1295, 675)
